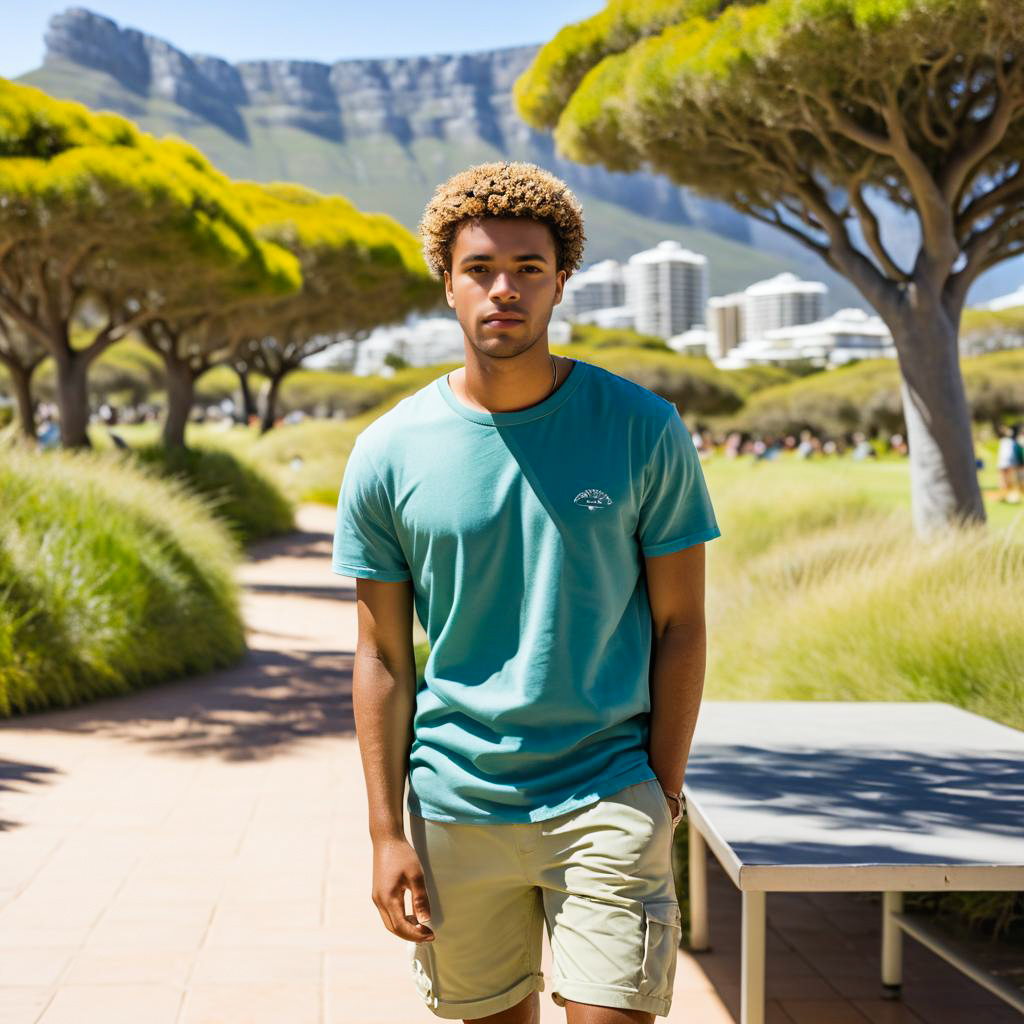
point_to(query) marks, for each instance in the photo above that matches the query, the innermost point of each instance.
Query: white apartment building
(725, 322)
(428, 341)
(601, 286)
(846, 335)
(697, 341)
(619, 317)
(667, 289)
(781, 301)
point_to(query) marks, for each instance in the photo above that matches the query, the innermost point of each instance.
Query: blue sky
(307, 29)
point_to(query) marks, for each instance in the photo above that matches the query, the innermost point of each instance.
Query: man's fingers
(402, 924)
(420, 902)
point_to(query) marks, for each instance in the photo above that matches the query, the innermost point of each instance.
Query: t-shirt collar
(533, 412)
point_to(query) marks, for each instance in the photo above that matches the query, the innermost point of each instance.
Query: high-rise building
(601, 286)
(782, 301)
(725, 321)
(667, 289)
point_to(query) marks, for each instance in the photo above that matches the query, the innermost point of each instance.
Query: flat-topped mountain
(384, 132)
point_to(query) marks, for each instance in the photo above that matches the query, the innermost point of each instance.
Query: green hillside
(381, 173)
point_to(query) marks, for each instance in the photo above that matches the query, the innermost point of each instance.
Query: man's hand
(396, 868)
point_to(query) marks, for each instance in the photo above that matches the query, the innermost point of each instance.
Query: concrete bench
(809, 796)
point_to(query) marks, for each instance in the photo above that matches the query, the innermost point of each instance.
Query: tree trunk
(181, 390)
(943, 469)
(21, 382)
(73, 399)
(270, 403)
(248, 402)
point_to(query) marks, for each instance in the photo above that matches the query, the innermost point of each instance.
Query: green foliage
(615, 337)
(110, 580)
(861, 397)
(307, 459)
(990, 321)
(359, 269)
(221, 382)
(233, 488)
(155, 206)
(997, 915)
(756, 378)
(995, 385)
(866, 396)
(333, 393)
(683, 85)
(694, 385)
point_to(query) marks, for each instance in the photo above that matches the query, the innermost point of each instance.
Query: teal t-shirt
(523, 534)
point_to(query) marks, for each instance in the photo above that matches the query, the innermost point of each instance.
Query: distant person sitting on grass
(1009, 462)
(546, 518)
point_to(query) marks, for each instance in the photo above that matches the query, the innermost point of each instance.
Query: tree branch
(29, 323)
(873, 232)
(1008, 191)
(940, 249)
(954, 177)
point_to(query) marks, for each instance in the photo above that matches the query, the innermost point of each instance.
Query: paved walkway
(197, 854)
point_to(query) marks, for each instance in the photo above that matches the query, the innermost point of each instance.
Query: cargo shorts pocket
(662, 932)
(424, 972)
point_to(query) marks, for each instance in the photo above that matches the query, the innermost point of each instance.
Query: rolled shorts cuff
(471, 1009)
(608, 995)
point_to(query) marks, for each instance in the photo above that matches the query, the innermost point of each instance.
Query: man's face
(503, 265)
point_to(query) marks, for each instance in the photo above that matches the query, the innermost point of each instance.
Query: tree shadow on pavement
(269, 700)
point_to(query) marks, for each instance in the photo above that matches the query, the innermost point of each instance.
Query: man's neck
(508, 385)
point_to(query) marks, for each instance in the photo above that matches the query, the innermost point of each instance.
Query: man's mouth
(503, 321)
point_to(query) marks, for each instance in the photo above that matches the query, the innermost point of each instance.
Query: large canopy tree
(359, 270)
(88, 204)
(817, 116)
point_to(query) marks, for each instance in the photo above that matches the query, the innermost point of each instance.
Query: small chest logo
(592, 499)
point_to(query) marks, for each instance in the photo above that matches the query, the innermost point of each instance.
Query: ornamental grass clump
(825, 594)
(110, 580)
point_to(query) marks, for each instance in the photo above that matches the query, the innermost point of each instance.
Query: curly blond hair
(502, 189)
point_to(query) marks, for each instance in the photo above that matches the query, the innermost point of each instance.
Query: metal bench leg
(699, 936)
(752, 970)
(892, 945)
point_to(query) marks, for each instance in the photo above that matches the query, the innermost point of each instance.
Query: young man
(547, 520)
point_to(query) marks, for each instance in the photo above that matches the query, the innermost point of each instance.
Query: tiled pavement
(196, 854)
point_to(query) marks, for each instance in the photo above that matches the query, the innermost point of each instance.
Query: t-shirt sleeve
(365, 542)
(675, 511)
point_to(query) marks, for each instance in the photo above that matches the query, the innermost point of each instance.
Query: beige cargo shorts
(599, 880)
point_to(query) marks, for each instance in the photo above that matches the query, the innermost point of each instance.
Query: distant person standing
(1010, 463)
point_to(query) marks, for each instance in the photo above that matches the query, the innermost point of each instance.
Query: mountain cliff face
(384, 132)
(440, 96)
(444, 97)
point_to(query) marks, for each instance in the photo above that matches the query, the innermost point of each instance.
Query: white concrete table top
(801, 796)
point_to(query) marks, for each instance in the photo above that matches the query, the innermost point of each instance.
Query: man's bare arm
(675, 587)
(383, 700)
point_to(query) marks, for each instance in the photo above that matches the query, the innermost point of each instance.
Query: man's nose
(504, 286)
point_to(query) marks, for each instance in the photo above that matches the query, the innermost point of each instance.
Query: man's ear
(560, 278)
(448, 293)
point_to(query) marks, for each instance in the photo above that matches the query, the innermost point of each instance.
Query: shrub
(237, 491)
(110, 579)
(694, 385)
(615, 337)
(866, 396)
